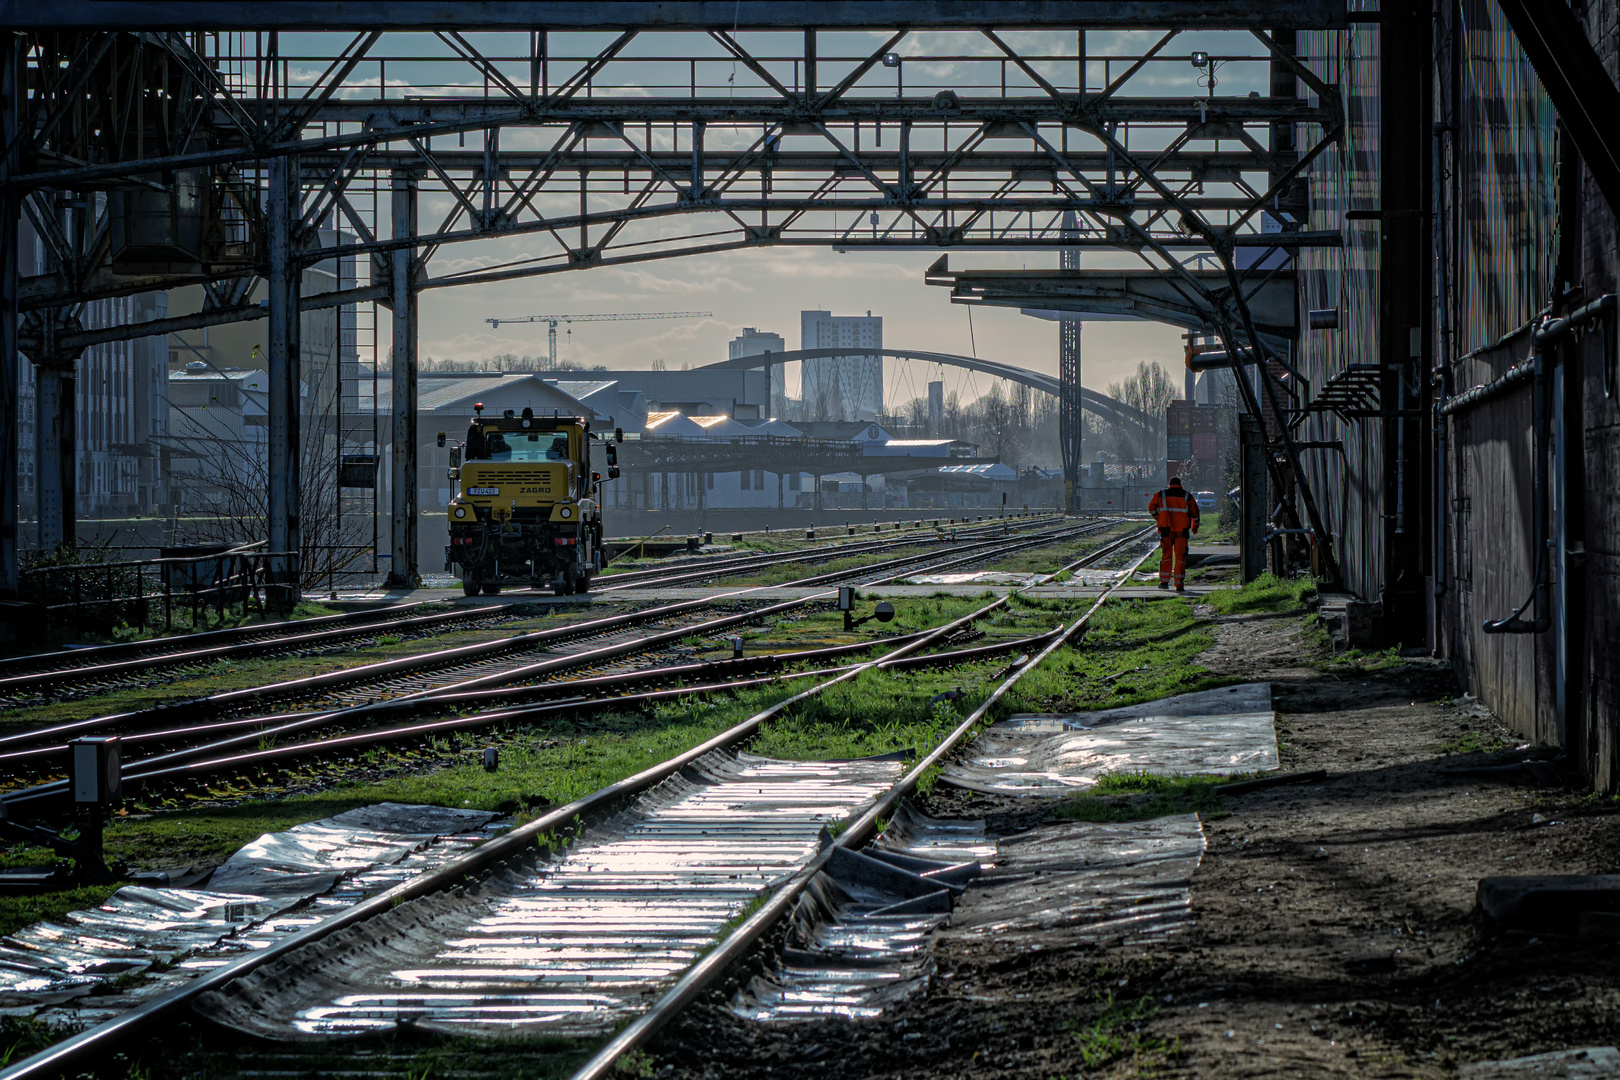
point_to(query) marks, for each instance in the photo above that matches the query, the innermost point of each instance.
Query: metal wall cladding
(1505, 228)
(1349, 484)
(1501, 230)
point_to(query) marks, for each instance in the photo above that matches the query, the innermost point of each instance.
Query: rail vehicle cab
(525, 509)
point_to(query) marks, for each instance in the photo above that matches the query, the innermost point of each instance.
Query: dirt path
(1333, 933)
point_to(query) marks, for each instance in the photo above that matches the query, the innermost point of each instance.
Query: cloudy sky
(766, 289)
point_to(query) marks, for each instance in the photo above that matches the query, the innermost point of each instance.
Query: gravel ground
(1333, 931)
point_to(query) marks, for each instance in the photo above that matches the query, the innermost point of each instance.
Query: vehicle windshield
(525, 446)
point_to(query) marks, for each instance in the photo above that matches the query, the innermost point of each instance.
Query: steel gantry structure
(151, 145)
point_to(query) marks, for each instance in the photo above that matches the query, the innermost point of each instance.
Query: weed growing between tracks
(181, 624)
(181, 684)
(1134, 651)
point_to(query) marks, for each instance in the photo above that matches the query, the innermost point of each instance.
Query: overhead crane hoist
(551, 322)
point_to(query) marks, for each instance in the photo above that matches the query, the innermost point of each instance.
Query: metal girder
(470, 15)
(1193, 164)
(1577, 82)
(1142, 294)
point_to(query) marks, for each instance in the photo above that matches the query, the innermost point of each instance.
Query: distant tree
(1150, 390)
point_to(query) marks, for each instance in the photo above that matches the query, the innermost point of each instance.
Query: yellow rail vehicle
(526, 509)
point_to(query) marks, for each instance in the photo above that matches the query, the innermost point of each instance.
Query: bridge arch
(1100, 404)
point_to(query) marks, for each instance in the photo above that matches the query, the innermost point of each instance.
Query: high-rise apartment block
(753, 342)
(842, 387)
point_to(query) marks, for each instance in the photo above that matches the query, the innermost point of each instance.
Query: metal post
(283, 530)
(403, 202)
(1252, 493)
(54, 472)
(10, 71)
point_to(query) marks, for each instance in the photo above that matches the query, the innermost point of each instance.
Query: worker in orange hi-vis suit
(1177, 514)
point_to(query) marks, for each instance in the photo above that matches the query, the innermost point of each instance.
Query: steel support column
(402, 290)
(10, 209)
(55, 467)
(283, 527)
(1404, 310)
(1071, 417)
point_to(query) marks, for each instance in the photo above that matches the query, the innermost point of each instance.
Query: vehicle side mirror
(613, 472)
(441, 438)
(455, 456)
(618, 434)
(612, 454)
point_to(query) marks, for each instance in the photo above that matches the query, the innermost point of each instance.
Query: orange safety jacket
(1176, 512)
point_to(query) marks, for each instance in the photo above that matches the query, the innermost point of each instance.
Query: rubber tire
(559, 590)
(492, 590)
(469, 586)
(579, 584)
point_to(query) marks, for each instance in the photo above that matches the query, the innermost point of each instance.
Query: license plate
(483, 491)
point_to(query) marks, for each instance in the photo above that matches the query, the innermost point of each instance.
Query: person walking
(1177, 514)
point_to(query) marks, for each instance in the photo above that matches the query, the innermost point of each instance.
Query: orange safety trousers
(1173, 558)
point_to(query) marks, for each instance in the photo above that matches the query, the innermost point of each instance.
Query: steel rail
(57, 676)
(416, 662)
(734, 564)
(166, 764)
(723, 955)
(367, 739)
(52, 1061)
(12, 665)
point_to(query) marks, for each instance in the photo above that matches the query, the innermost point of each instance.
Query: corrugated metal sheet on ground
(1231, 730)
(972, 577)
(572, 945)
(858, 940)
(1591, 1063)
(1056, 885)
(140, 928)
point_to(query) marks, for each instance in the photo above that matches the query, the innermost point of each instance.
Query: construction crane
(551, 322)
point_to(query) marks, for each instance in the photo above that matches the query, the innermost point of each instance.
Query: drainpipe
(1547, 338)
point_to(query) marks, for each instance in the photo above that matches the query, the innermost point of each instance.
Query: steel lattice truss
(553, 156)
(151, 159)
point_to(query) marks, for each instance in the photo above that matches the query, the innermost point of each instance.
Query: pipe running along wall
(1548, 336)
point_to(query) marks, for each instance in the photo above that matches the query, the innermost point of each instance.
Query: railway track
(500, 661)
(99, 669)
(731, 565)
(766, 819)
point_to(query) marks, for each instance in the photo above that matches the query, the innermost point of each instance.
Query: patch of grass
(22, 1036)
(1360, 662)
(1265, 594)
(1477, 742)
(1134, 651)
(1138, 796)
(877, 713)
(1118, 1033)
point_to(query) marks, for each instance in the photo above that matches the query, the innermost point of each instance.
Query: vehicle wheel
(469, 586)
(580, 583)
(492, 590)
(559, 588)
